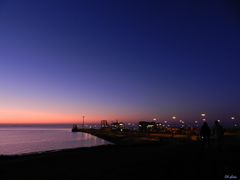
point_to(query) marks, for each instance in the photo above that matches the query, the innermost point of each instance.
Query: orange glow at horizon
(10, 116)
(22, 116)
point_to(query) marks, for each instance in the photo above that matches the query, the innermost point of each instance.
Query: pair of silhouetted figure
(217, 132)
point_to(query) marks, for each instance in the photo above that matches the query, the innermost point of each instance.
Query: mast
(83, 122)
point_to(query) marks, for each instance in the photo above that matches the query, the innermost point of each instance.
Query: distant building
(119, 126)
(104, 124)
(145, 126)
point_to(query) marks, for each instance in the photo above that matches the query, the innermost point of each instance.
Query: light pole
(234, 122)
(196, 124)
(83, 122)
(174, 117)
(203, 116)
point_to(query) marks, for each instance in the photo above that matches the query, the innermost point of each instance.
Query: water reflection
(28, 140)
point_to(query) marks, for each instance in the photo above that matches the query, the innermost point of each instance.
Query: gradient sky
(125, 60)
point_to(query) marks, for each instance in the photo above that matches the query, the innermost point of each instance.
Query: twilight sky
(125, 60)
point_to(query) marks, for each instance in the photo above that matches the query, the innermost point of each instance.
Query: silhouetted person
(205, 133)
(218, 134)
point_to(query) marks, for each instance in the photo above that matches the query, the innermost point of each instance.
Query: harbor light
(203, 114)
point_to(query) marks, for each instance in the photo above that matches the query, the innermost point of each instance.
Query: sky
(118, 60)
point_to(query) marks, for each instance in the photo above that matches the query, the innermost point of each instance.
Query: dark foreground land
(166, 160)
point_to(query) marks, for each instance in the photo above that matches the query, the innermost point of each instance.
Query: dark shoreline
(169, 159)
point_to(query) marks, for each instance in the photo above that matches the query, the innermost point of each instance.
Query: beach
(169, 160)
(119, 90)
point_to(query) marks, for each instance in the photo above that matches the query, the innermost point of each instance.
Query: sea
(17, 140)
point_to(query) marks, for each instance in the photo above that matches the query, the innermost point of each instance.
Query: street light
(203, 116)
(234, 121)
(196, 123)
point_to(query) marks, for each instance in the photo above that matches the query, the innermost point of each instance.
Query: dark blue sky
(124, 60)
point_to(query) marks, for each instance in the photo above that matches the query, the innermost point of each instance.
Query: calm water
(20, 140)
